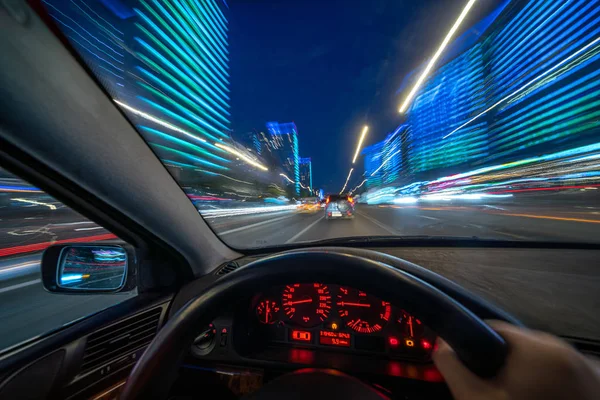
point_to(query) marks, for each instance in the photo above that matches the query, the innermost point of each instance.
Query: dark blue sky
(331, 66)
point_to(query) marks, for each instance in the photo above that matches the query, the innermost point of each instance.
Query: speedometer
(362, 313)
(306, 304)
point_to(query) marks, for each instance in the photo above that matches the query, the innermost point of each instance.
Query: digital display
(300, 336)
(340, 339)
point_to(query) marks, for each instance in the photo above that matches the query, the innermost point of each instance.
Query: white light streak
(158, 121)
(286, 177)
(244, 157)
(38, 203)
(436, 56)
(385, 162)
(229, 212)
(347, 179)
(360, 141)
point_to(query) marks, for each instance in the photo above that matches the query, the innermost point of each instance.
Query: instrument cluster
(334, 316)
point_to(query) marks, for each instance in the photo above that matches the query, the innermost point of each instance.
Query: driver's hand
(538, 366)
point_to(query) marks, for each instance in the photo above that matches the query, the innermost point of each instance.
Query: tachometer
(306, 304)
(362, 313)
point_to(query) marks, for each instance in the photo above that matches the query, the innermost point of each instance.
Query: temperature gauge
(411, 326)
(266, 311)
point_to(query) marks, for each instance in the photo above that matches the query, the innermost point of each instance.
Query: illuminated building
(283, 139)
(167, 65)
(306, 172)
(384, 161)
(523, 82)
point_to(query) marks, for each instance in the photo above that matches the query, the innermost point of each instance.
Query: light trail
(229, 212)
(347, 179)
(35, 202)
(158, 121)
(360, 142)
(244, 157)
(436, 56)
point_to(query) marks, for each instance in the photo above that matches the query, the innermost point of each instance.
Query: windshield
(454, 118)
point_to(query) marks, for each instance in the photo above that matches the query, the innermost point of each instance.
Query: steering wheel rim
(480, 348)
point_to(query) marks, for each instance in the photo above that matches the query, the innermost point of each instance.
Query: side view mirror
(89, 268)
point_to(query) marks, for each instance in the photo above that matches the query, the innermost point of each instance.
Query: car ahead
(339, 207)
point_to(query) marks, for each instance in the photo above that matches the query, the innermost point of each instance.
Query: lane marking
(243, 228)
(73, 223)
(431, 218)
(590, 221)
(303, 231)
(89, 229)
(379, 224)
(20, 285)
(510, 235)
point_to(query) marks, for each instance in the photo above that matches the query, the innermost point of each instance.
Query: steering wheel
(479, 347)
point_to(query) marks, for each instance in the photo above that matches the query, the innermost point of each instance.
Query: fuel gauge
(266, 311)
(411, 326)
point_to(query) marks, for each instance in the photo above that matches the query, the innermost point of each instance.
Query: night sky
(331, 66)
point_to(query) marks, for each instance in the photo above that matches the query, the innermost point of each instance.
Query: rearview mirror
(87, 268)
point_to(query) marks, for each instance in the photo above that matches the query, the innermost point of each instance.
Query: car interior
(211, 320)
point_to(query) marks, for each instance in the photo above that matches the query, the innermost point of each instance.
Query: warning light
(224, 330)
(409, 343)
(393, 341)
(334, 326)
(425, 344)
(301, 336)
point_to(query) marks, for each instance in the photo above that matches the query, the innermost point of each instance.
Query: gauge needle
(300, 301)
(353, 304)
(410, 323)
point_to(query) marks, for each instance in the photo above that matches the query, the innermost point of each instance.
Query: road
(27, 310)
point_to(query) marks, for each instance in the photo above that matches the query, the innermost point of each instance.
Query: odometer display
(306, 304)
(361, 312)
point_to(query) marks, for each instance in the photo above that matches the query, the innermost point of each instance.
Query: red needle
(410, 324)
(267, 314)
(354, 304)
(300, 301)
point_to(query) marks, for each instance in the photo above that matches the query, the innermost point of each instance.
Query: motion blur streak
(437, 55)
(158, 121)
(242, 156)
(589, 221)
(28, 248)
(228, 212)
(360, 142)
(347, 179)
(39, 203)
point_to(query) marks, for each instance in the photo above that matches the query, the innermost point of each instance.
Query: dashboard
(338, 318)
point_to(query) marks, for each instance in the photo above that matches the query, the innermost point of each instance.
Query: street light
(360, 141)
(436, 56)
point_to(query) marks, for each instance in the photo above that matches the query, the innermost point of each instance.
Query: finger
(462, 382)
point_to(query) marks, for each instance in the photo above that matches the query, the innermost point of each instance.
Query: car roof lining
(54, 112)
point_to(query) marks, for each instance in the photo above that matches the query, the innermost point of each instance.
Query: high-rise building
(284, 143)
(510, 88)
(306, 172)
(167, 66)
(522, 86)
